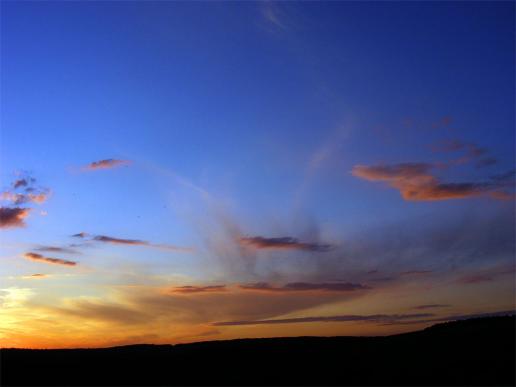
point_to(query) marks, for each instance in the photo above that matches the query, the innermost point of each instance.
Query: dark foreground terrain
(470, 352)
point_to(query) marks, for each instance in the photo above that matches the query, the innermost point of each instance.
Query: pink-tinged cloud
(13, 217)
(199, 289)
(31, 193)
(106, 164)
(55, 261)
(283, 243)
(19, 198)
(305, 286)
(415, 182)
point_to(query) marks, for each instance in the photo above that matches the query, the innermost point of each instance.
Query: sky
(184, 171)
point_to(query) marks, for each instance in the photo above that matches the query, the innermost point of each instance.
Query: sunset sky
(185, 171)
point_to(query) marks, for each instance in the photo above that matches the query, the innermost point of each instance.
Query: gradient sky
(175, 172)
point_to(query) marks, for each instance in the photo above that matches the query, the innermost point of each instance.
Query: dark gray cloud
(20, 183)
(129, 242)
(13, 217)
(430, 306)
(305, 286)
(120, 241)
(286, 243)
(199, 289)
(80, 235)
(453, 318)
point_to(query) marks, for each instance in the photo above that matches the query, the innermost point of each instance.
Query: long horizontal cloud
(415, 182)
(454, 317)
(415, 272)
(106, 164)
(147, 305)
(341, 318)
(286, 243)
(13, 217)
(56, 249)
(120, 241)
(431, 306)
(55, 261)
(305, 286)
(130, 242)
(199, 289)
(35, 276)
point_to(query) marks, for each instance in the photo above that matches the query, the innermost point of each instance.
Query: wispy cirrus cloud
(305, 286)
(55, 261)
(199, 289)
(272, 13)
(130, 242)
(11, 217)
(106, 164)
(472, 152)
(283, 243)
(415, 182)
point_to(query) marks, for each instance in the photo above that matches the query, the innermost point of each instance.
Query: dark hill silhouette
(469, 352)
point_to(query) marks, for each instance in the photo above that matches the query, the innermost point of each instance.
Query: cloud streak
(55, 261)
(199, 289)
(305, 286)
(130, 242)
(430, 306)
(378, 318)
(282, 243)
(56, 249)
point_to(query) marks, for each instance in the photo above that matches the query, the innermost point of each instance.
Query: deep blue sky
(246, 119)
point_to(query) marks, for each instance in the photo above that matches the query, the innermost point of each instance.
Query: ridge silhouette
(478, 351)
